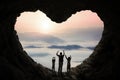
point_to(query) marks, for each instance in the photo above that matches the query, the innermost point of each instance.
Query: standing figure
(60, 56)
(68, 63)
(53, 63)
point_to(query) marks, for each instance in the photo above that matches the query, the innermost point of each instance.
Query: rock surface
(103, 64)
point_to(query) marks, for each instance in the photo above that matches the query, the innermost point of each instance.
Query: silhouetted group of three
(61, 59)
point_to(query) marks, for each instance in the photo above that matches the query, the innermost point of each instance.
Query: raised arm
(65, 56)
(63, 52)
(57, 53)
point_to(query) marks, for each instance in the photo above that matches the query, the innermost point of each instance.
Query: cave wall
(101, 65)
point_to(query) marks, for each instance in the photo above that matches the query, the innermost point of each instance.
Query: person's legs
(54, 66)
(59, 69)
(67, 70)
(68, 67)
(61, 66)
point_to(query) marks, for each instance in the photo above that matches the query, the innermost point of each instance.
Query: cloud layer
(39, 37)
(67, 47)
(39, 54)
(32, 46)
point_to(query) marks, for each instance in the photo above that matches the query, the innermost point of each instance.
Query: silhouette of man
(53, 63)
(61, 56)
(68, 63)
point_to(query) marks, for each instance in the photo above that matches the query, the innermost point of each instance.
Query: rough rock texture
(103, 64)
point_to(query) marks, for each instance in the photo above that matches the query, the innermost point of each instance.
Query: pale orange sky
(39, 22)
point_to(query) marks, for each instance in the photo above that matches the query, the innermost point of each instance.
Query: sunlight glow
(46, 27)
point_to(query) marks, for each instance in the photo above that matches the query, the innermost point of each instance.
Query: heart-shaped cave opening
(41, 38)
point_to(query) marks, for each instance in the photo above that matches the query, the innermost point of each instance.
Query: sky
(41, 38)
(39, 22)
